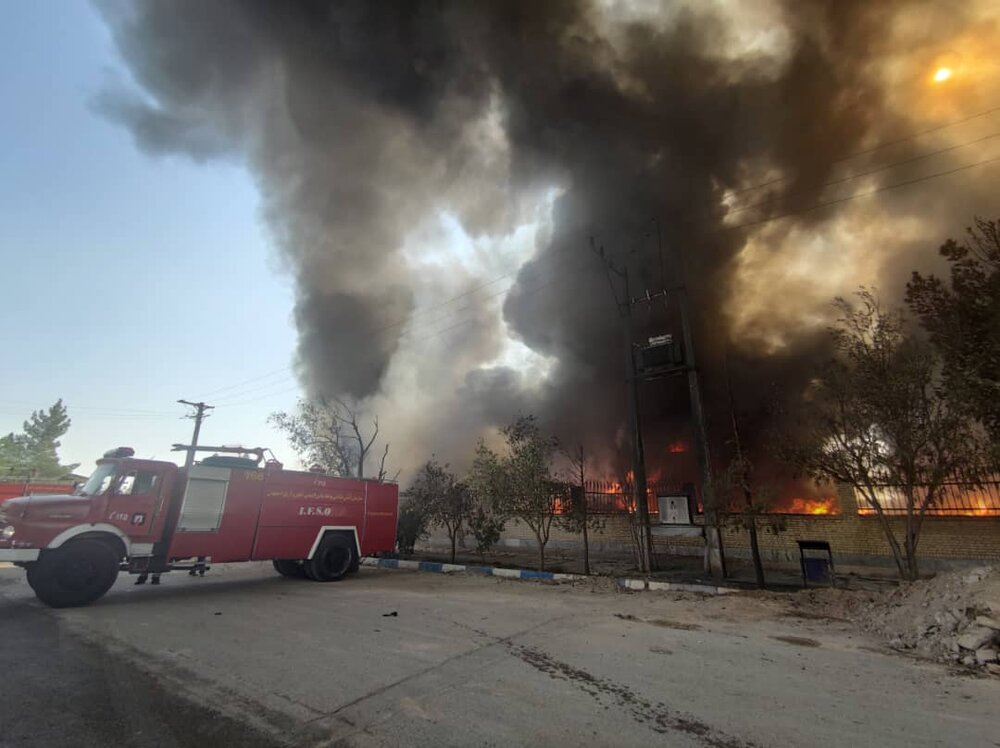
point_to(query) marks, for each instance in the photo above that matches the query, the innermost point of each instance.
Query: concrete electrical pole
(640, 487)
(714, 557)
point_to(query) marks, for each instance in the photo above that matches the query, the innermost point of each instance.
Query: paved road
(394, 658)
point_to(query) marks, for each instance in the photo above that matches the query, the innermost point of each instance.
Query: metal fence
(610, 497)
(961, 497)
(958, 498)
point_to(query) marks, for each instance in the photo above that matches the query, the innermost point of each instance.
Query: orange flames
(809, 506)
(973, 504)
(677, 447)
(980, 508)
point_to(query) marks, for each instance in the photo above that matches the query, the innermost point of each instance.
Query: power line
(786, 214)
(248, 381)
(562, 277)
(881, 146)
(261, 397)
(878, 169)
(244, 393)
(486, 284)
(389, 326)
(848, 198)
(103, 416)
(73, 408)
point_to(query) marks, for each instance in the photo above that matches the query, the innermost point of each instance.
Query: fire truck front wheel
(76, 574)
(333, 559)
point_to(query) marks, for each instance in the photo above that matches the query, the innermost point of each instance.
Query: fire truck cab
(150, 517)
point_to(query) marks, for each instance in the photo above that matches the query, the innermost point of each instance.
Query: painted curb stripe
(508, 573)
(495, 571)
(489, 571)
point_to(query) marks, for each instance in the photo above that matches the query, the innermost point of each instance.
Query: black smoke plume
(362, 120)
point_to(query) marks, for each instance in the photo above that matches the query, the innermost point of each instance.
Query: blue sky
(128, 281)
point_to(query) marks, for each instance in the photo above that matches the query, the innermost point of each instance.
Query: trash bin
(817, 569)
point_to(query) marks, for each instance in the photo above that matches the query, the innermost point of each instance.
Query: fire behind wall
(788, 151)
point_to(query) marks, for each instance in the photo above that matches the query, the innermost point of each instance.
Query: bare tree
(739, 476)
(641, 551)
(575, 516)
(878, 416)
(749, 507)
(328, 433)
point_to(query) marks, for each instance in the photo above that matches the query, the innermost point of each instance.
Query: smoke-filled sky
(431, 173)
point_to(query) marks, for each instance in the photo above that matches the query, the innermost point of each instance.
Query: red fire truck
(149, 517)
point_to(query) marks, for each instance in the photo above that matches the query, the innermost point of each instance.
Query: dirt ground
(951, 617)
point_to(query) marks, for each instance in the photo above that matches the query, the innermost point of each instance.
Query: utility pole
(639, 452)
(714, 558)
(640, 488)
(198, 416)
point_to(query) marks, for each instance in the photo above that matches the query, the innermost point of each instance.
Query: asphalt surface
(57, 689)
(395, 658)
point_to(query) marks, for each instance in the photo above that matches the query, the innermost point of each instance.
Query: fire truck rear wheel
(290, 568)
(333, 559)
(76, 574)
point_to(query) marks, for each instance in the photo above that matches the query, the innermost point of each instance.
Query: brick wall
(854, 539)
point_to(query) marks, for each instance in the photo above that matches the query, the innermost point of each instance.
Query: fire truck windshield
(99, 482)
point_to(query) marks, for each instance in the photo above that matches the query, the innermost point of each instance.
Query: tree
(12, 454)
(879, 415)
(576, 516)
(521, 479)
(962, 318)
(489, 511)
(327, 433)
(447, 500)
(411, 524)
(34, 452)
(749, 507)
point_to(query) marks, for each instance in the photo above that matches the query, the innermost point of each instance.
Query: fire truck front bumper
(18, 555)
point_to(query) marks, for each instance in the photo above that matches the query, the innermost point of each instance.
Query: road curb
(488, 571)
(645, 584)
(493, 571)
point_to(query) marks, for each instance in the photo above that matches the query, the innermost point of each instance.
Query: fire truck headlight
(7, 533)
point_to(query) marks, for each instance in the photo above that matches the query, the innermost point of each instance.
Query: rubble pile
(953, 617)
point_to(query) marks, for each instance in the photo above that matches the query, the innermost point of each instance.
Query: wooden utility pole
(198, 416)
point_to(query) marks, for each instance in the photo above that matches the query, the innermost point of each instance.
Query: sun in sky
(942, 74)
